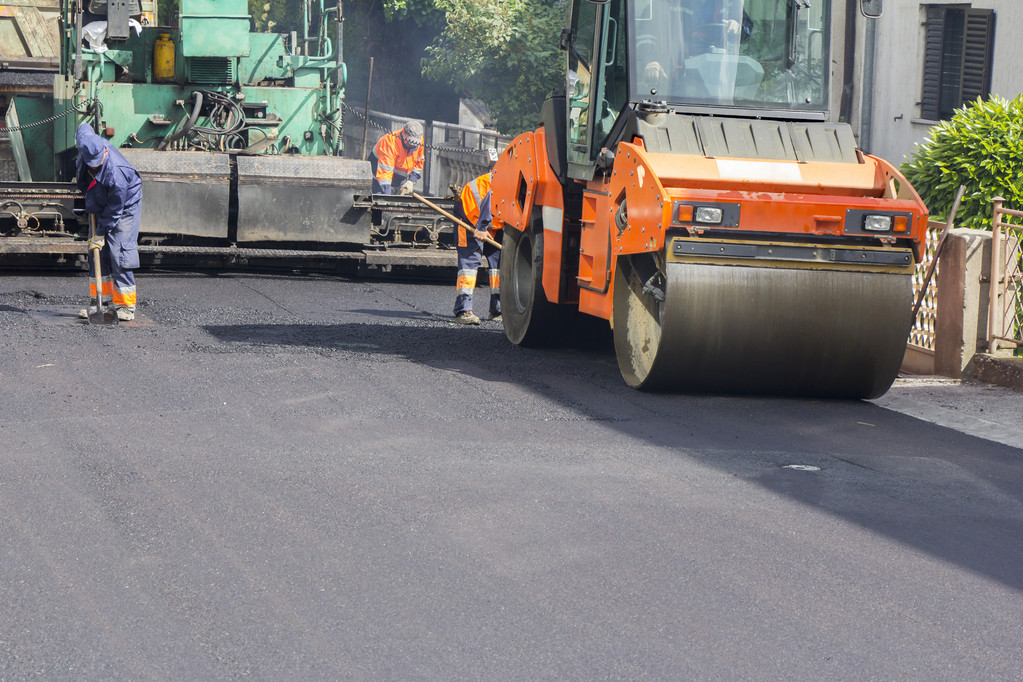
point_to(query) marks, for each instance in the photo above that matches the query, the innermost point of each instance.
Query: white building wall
(467, 118)
(898, 74)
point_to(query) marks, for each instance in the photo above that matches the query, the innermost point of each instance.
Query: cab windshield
(753, 54)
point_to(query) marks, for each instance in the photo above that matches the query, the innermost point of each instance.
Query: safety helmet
(412, 134)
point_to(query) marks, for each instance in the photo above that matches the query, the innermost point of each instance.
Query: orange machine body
(645, 196)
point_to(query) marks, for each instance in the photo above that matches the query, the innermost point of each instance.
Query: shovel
(99, 316)
(455, 220)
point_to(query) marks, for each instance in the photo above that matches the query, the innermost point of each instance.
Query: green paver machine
(236, 133)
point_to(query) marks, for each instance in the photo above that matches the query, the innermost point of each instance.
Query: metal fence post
(428, 187)
(994, 329)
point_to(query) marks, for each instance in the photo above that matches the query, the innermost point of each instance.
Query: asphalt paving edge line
(964, 423)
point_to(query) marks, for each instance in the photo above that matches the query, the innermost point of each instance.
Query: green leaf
(504, 52)
(980, 147)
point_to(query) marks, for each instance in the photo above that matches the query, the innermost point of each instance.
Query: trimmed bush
(981, 147)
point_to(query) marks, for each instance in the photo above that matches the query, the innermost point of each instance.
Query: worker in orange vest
(473, 208)
(397, 159)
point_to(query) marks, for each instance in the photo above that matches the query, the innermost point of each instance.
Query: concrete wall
(467, 118)
(898, 72)
(961, 329)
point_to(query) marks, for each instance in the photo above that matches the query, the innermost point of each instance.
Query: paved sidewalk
(969, 406)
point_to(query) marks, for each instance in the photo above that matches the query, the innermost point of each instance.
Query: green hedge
(981, 147)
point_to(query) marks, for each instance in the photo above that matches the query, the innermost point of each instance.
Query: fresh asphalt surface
(317, 478)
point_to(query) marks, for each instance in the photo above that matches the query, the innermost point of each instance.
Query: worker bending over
(474, 209)
(113, 193)
(397, 159)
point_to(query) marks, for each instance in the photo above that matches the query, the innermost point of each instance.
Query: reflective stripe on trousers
(469, 260)
(118, 288)
(118, 282)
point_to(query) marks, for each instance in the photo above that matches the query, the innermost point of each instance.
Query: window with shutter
(978, 41)
(935, 33)
(958, 45)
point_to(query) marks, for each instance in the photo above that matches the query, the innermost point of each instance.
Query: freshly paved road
(311, 478)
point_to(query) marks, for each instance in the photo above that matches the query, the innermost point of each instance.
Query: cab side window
(580, 74)
(612, 88)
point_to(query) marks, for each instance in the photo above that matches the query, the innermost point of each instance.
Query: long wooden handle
(96, 269)
(453, 219)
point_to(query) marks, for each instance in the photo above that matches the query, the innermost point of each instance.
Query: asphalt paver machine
(236, 133)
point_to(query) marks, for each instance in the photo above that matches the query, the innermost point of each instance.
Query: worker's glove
(97, 242)
(733, 27)
(407, 187)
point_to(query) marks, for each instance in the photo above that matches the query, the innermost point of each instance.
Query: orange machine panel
(632, 209)
(524, 188)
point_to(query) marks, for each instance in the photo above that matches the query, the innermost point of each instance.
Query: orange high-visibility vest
(392, 156)
(472, 196)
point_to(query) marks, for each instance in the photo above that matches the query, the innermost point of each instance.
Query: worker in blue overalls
(113, 193)
(473, 208)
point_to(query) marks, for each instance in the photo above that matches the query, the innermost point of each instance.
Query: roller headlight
(708, 214)
(877, 223)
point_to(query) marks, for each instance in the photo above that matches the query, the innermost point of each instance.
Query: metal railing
(457, 154)
(454, 154)
(1005, 307)
(358, 141)
(921, 335)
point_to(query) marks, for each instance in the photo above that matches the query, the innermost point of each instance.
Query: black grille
(211, 70)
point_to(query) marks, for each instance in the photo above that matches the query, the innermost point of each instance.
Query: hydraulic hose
(187, 125)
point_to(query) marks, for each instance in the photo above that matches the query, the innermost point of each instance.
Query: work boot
(125, 314)
(85, 312)
(496, 317)
(467, 317)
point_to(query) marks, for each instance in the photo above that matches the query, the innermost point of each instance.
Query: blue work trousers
(470, 257)
(471, 253)
(119, 257)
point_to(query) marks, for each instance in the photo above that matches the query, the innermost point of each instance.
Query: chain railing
(378, 123)
(921, 335)
(14, 142)
(465, 140)
(454, 154)
(460, 153)
(1005, 307)
(82, 108)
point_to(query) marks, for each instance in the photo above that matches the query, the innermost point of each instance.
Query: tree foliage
(980, 147)
(418, 11)
(395, 34)
(504, 52)
(426, 53)
(276, 16)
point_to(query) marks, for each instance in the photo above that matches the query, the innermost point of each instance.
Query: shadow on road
(953, 496)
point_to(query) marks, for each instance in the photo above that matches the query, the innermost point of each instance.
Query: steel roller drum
(763, 330)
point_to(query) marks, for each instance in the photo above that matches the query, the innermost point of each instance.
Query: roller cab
(690, 188)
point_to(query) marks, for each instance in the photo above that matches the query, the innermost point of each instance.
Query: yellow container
(163, 58)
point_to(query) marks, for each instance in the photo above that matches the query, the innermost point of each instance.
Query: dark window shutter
(935, 33)
(952, 49)
(979, 48)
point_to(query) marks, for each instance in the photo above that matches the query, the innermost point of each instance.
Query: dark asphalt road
(311, 478)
